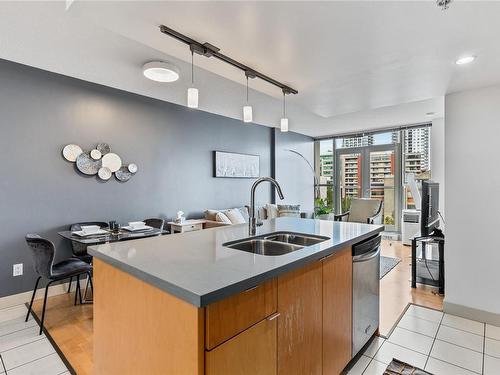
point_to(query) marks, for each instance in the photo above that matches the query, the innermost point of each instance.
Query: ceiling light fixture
(284, 119)
(247, 109)
(465, 60)
(192, 93)
(161, 71)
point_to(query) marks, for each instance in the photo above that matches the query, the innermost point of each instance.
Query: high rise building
(365, 140)
(326, 168)
(417, 142)
(381, 168)
(351, 175)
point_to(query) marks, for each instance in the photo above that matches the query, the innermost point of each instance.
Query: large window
(373, 165)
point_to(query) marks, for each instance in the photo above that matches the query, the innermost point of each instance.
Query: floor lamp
(316, 182)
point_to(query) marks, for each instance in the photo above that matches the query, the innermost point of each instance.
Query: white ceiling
(357, 64)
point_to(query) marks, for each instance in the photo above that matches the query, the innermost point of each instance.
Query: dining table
(111, 236)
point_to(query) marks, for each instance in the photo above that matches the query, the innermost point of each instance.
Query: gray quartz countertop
(195, 267)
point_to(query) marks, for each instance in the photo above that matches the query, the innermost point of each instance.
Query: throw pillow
(210, 214)
(235, 216)
(244, 213)
(289, 210)
(222, 218)
(271, 210)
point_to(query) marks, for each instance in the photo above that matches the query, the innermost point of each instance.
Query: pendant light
(247, 109)
(284, 119)
(192, 93)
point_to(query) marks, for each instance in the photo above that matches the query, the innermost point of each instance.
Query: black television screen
(430, 207)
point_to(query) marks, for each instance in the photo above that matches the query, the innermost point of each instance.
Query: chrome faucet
(254, 222)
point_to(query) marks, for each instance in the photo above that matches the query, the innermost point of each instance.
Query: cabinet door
(337, 311)
(251, 352)
(300, 322)
(228, 317)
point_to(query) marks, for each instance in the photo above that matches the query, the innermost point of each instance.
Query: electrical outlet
(17, 269)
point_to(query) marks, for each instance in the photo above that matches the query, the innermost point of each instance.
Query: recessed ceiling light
(465, 60)
(161, 71)
(430, 114)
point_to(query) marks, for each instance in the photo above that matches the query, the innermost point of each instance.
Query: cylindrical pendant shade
(247, 113)
(284, 125)
(192, 100)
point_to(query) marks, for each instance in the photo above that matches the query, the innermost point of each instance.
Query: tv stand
(436, 236)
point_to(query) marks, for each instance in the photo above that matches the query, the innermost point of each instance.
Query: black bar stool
(43, 252)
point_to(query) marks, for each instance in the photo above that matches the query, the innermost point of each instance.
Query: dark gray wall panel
(292, 172)
(40, 192)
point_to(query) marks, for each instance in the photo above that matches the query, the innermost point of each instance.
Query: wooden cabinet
(228, 317)
(251, 352)
(337, 311)
(300, 322)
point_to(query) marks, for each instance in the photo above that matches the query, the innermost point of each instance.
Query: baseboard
(472, 313)
(21, 298)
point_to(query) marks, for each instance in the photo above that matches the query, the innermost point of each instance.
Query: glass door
(370, 172)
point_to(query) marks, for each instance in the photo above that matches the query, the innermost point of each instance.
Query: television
(430, 208)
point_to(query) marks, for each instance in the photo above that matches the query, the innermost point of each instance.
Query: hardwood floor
(395, 290)
(71, 329)
(71, 326)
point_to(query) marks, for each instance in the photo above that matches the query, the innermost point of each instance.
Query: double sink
(277, 243)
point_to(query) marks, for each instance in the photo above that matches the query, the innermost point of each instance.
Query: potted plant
(321, 209)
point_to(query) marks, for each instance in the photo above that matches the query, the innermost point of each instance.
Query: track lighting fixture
(192, 93)
(284, 119)
(209, 50)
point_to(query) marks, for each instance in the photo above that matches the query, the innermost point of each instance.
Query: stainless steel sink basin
(274, 244)
(295, 238)
(265, 247)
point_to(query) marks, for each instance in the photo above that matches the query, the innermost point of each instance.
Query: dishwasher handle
(366, 256)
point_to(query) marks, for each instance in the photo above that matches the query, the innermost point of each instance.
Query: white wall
(438, 159)
(472, 177)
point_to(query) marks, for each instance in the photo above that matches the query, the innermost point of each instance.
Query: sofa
(216, 218)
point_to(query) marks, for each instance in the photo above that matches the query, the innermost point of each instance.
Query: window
(416, 157)
(364, 140)
(326, 171)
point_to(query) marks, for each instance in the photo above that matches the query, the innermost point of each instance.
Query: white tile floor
(22, 350)
(440, 343)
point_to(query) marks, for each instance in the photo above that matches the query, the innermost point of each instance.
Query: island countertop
(197, 268)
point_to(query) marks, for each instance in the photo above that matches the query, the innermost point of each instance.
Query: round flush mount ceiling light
(465, 60)
(161, 71)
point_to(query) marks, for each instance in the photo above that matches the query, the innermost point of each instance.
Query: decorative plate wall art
(99, 161)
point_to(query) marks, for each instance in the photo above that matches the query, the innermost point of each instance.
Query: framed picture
(235, 165)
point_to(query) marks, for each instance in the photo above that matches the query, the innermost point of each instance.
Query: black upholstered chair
(43, 252)
(80, 249)
(155, 223)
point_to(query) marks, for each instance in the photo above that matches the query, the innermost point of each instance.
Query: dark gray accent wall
(293, 173)
(40, 192)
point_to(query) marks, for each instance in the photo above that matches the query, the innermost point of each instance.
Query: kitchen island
(188, 304)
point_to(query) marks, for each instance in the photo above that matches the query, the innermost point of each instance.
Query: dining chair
(155, 223)
(43, 252)
(79, 249)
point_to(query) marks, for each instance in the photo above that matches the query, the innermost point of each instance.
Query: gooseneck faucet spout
(254, 221)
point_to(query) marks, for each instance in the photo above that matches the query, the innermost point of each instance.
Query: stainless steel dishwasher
(365, 291)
